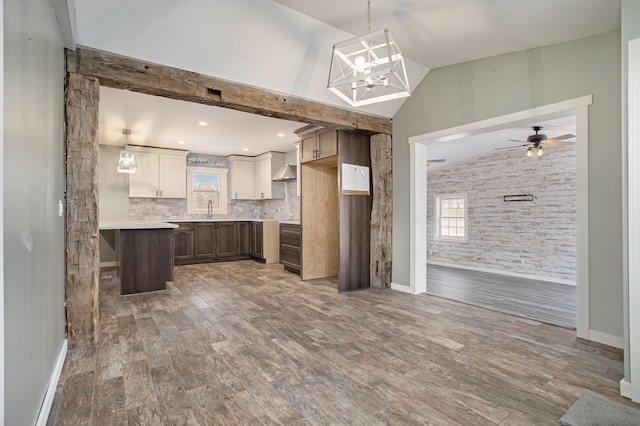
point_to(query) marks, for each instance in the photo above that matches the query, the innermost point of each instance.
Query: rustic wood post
(83, 263)
(381, 211)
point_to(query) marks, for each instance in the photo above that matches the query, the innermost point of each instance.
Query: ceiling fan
(539, 139)
(438, 160)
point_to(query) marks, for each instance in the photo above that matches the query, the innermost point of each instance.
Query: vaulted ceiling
(285, 45)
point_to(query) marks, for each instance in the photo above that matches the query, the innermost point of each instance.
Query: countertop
(135, 224)
(171, 224)
(222, 220)
(232, 220)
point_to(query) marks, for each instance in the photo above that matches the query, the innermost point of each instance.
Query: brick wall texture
(536, 238)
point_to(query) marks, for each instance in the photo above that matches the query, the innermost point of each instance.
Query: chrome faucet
(210, 208)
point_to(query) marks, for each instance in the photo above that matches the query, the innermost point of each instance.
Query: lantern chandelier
(368, 69)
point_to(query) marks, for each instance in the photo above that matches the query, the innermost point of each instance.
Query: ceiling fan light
(539, 152)
(530, 152)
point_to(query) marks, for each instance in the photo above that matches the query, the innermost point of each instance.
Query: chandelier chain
(369, 15)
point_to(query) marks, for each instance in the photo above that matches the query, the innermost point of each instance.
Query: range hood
(286, 172)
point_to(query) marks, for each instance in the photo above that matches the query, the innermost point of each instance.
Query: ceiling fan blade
(516, 140)
(439, 160)
(554, 141)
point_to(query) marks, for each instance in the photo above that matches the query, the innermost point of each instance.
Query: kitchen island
(144, 254)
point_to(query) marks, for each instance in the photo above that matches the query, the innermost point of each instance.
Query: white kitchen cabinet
(266, 166)
(241, 177)
(160, 174)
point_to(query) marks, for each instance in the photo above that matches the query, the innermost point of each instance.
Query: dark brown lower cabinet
(183, 242)
(144, 258)
(291, 247)
(204, 237)
(244, 238)
(226, 239)
(256, 243)
(212, 242)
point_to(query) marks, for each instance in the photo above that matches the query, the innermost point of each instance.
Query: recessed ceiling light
(202, 123)
(281, 135)
(181, 142)
(245, 149)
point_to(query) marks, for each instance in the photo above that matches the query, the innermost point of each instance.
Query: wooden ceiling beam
(122, 72)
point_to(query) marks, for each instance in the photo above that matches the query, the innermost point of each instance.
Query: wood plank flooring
(247, 343)
(534, 299)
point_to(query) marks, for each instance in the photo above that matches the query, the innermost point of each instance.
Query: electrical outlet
(522, 261)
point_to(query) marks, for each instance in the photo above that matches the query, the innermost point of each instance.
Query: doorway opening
(418, 152)
(501, 230)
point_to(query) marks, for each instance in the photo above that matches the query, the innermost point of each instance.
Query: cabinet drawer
(289, 228)
(290, 256)
(290, 239)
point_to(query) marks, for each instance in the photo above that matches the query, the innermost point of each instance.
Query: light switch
(60, 208)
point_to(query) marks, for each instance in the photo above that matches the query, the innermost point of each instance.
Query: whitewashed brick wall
(542, 233)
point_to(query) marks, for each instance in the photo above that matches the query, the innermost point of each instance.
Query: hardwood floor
(534, 299)
(247, 343)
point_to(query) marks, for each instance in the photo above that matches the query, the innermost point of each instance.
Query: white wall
(630, 10)
(501, 85)
(113, 187)
(2, 385)
(33, 184)
(501, 235)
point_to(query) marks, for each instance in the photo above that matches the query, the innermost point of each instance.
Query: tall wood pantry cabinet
(336, 227)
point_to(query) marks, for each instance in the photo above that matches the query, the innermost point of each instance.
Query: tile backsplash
(176, 208)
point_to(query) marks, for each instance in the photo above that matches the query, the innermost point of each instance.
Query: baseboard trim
(401, 287)
(606, 339)
(111, 264)
(626, 389)
(508, 273)
(43, 416)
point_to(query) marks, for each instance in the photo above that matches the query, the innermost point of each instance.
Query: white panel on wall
(526, 237)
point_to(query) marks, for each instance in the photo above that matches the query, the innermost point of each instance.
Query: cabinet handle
(161, 192)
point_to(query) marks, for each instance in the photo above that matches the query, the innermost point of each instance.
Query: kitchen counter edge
(134, 224)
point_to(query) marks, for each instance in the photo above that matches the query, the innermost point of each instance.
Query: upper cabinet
(267, 165)
(161, 173)
(241, 177)
(250, 177)
(317, 144)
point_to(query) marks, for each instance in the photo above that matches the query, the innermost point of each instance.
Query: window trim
(436, 214)
(223, 189)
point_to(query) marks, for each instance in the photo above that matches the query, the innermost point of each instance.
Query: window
(207, 190)
(451, 217)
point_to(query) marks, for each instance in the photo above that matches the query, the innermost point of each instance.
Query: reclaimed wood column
(83, 263)
(381, 211)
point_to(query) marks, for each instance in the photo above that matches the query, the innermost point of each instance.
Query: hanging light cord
(369, 15)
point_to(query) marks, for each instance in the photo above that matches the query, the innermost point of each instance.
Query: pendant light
(368, 69)
(127, 160)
